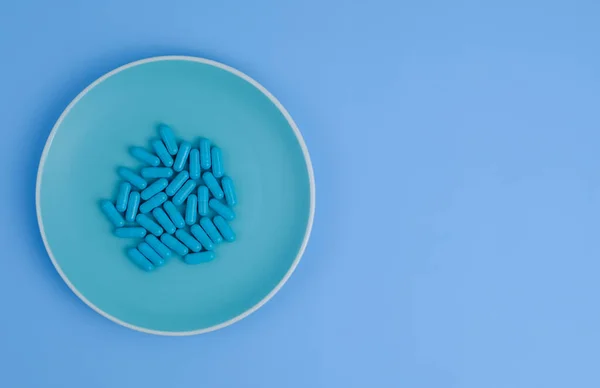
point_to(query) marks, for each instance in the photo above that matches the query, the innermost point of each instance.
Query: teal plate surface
(263, 151)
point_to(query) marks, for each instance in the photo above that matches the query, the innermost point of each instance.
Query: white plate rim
(290, 121)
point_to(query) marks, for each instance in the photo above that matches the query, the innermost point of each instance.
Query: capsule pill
(197, 258)
(123, 196)
(211, 230)
(191, 209)
(211, 182)
(163, 219)
(156, 172)
(161, 151)
(144, 156)
(174, 244)
(221, 209)
(176, 183)
(182, 156)
(194, 164)
(184, 192)
(140, 260)
(158, 246)
(149, 224)
(133, 205)
(130, 232)
(202, 237)
(109, 210)
(150, 254)
(217, 162)
(153, 202)
(188, 240)
(224, 228)
(174, 214)
(205, 154)
(132, 178)
(167, 136)
(229, 190)
(203, 200)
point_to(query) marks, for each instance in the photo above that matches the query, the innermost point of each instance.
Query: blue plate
(263, 151)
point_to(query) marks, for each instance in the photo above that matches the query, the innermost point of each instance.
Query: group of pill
(165, 176)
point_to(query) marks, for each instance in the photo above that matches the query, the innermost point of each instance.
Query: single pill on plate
(188, 240)
(123, 196)
(194, 164)
(111, 212)
(130, 232)
(217, 162)
(201, 236)
(201, 257)
(224, 228)
(153, 202)
(229, 190)
(174, 214)
(156, 172)
(221, 209)
(168, 137)
(158, 246)
(163, 219)
(149, 224)
(155, 188)
(176, 183)
(203, 200)
(184, 192)
(140, 260)
(211, 182)
(150, 254)
(132, 178)
(144, 156)
(191, 209)
(161, 151)
(132, 206)
(174, 244)
(205, 154)
(182, 156)
(211, 230)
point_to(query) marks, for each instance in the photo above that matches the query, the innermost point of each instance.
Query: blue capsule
(211, 230)
(194, 164)
(183, 193)
(191, 209)
(203, 200)
(174, 214)
(150, 254)
(132, 206)
(197, 258)
(167, 136)
(205, 154)
(229, 191)
(144, 156)
(123, 196)
(161, 151)
(182, 156)
(132, 178)
(130, 232)
(174, 244)
(156, 172)
(221, 209)
(158, 246)
(163, 219)
(149, 224)
(153, 202)
(111, 213)
(155, 188)
(217, 162)
(176, 183)
(224, 228)
(201, 236)
(140, 260)
(188, 240)
(211, 182)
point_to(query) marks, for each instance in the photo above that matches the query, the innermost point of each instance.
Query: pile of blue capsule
(150, 202)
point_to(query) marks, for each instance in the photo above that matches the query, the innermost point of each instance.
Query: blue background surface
(456, 150)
